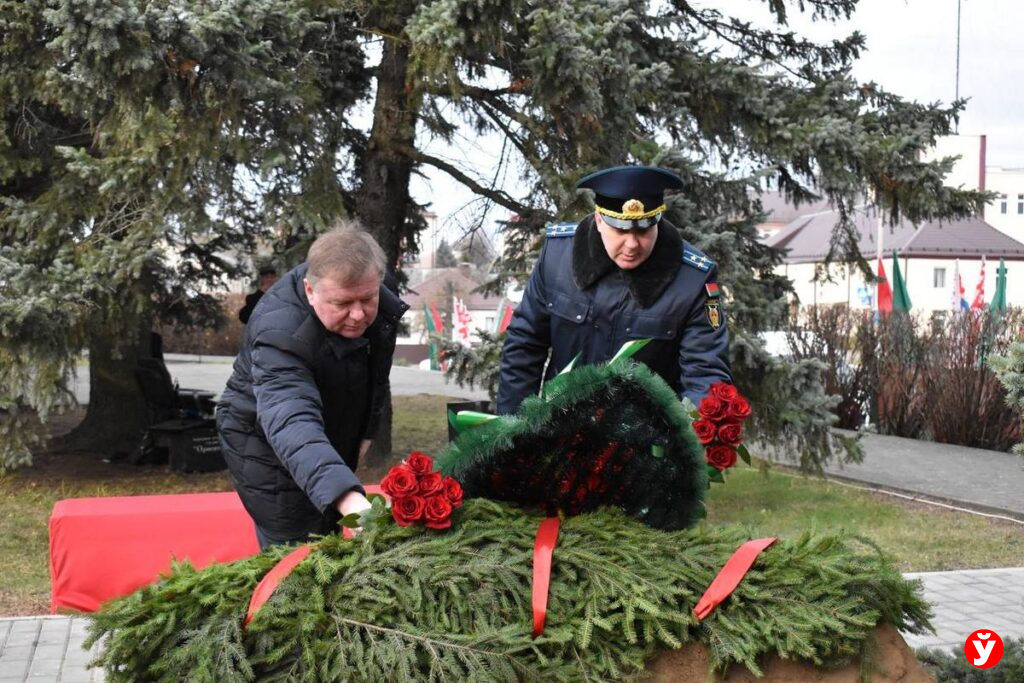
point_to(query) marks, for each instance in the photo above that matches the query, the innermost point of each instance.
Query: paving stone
(75, 677)
(17, 652)
(14, 668)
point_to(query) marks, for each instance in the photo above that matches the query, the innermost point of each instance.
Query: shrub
(962, 400)
(953, 667)
(831, 334)
(919, 379)
(1010, 370)
(223, 339)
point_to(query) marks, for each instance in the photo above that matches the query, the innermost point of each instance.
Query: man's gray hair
(345, 254)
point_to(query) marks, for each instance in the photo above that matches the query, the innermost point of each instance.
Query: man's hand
(350, 502)
(364, 448)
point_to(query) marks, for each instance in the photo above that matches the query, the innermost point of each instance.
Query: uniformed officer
(622, 273)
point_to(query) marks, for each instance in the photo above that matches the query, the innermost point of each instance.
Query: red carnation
(420, 463)
(438, 512)
(430, 484)
(721, 457)
(724, 392)
(453, 491)
(730, 433)
(400, 482)
(739, 409)
(712, 408)
(705, 430)
(408, 511)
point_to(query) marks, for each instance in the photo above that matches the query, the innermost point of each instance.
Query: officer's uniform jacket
(578, 301)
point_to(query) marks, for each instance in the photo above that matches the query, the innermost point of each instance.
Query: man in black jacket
(623, 273)
(307, 391)
(268, 276)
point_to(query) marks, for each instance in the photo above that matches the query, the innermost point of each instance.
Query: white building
(439, 287)
(1006, 213)
(928, 258)
(970, 171)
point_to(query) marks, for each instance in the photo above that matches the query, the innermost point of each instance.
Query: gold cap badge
(633, 206)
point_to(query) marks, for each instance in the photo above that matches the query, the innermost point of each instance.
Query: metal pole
(957, 89)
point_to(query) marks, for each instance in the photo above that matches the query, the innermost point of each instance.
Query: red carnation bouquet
(419, 494)
(719, 426)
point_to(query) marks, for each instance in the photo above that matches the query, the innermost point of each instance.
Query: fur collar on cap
(647, 282)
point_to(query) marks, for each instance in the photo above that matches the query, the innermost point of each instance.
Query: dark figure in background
(622, 273)
(308, 387)
(268, 276)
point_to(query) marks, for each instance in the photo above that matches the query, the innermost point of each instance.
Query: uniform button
(579, 317)
(550, 304)
(629, 329)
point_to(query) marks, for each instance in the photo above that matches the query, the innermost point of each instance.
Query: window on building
(1002, 204)
(489, 322)
(939, 278)
(1020, 203)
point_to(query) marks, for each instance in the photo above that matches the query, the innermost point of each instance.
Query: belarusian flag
(884, 297)
(505, 311)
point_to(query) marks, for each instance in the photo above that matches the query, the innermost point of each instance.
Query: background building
(928, 258)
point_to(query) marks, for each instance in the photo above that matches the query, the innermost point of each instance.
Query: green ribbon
(629, 349)
(467, 419)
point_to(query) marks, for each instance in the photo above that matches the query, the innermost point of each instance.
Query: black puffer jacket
(298, 404)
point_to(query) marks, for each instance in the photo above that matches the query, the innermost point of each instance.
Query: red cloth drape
(103, 548)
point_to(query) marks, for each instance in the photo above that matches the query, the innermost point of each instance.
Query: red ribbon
(547, 538)
(265, 588)
(730, 576)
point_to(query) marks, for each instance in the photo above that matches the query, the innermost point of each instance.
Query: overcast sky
(911, 51)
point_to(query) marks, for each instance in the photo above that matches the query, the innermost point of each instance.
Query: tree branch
(496, 196)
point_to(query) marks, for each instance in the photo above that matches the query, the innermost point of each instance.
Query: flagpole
(878, 256)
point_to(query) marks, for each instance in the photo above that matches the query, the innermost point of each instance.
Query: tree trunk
(383, 197)
(117, 414)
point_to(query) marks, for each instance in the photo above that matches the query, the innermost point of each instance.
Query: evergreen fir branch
(434, 645)
(407, 603)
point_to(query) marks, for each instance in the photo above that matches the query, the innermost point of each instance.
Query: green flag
(434, 330)
(900, 296)
(998, 303)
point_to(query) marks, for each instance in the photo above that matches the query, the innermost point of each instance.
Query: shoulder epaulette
(561, 230)
(697, 260)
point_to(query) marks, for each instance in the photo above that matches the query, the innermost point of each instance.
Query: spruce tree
(141, 141)
(1010, 369)
(444, 257)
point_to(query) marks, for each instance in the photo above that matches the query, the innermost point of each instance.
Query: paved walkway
(967, 477)
(48, 649)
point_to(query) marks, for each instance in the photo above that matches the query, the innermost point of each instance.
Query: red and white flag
(979, 291)
(462, 322)
(959, 298)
